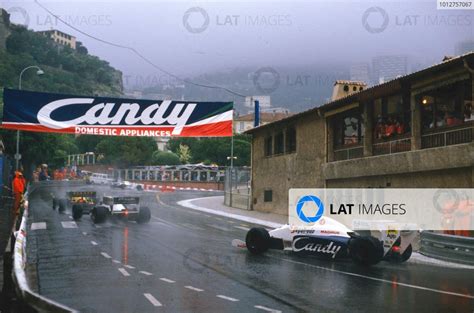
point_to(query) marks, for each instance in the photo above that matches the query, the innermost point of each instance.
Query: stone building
(414, 131)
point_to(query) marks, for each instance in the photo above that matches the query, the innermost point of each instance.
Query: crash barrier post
(23, 291)
(451, 248)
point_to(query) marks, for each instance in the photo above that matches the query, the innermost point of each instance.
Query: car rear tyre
(144, 215)
(99, 214)
(62, 203)
(257, 240)
(366, 250)
(76, 211)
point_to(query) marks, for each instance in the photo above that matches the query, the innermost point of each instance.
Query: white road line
(152, 299)
(84, 233)
(129, 266)
(242, 227)
(69, 224)
(38, 225)
(218, 218)
(231, 222)
(218, 227)
(105, 255)
(116, 261)
(227, 298)
(381, 280)
(145, 273)
(188, 204)
(192, 226)
(167, 280)
(70, 217)
(124, 272)
(94, 243)
(194, 288)
(261, 307)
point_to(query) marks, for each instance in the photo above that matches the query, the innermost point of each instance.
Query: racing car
(80, 201)
(332, 240)
(120, 207)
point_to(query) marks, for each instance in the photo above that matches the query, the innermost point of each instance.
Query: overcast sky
(221, 35)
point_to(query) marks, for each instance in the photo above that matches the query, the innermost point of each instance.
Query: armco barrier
(23, 291)
(451, 248)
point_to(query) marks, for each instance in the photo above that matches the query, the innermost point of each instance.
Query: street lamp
(39, 72)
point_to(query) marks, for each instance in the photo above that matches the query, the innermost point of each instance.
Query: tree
(126, 151)
(165, 158)
(184, 154)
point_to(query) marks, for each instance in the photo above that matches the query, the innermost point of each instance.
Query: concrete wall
(448, 178)
(293, 170)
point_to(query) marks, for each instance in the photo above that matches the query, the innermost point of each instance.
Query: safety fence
(451, 248)
(237, 191)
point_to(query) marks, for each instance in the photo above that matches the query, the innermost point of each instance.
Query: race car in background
(333, 241)
(80, 202)
(127, 208)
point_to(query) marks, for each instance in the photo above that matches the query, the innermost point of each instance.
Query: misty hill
(294, 88)
(66, 70)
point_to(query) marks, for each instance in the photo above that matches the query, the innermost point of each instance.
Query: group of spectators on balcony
(390, 127)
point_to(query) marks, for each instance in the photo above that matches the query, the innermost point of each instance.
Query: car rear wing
(85, 194)
(126, 200)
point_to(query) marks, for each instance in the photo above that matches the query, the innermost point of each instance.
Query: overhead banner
(58, 113)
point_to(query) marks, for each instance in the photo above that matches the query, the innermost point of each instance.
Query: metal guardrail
(348, 153)
(15, 254)
(447, 138)
(451, 248)
(391, 147)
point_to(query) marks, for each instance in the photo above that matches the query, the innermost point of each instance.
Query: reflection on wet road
(182, 261)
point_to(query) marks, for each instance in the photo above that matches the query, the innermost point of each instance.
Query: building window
(241, 126)
(268, 146)
(392, 117)
(279, 143)
(447, 106)
(268, 196)
(348, 128)
(290, 139)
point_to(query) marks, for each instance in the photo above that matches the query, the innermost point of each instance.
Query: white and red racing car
(332, 240)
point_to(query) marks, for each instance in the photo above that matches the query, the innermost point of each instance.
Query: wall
(293, 170)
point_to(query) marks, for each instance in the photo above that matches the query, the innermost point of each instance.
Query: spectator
(44, 173)
(18, 187)
(390, 129)
(468, 112)
(400, 128)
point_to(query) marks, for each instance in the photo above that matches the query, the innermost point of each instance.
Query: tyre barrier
(16, 252)
(451, 248)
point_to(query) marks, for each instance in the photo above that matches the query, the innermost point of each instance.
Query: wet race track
(183, 261)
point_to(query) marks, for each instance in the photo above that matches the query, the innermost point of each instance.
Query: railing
(390, 147)
(448, 247)
(348, 153)
(447, 137)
